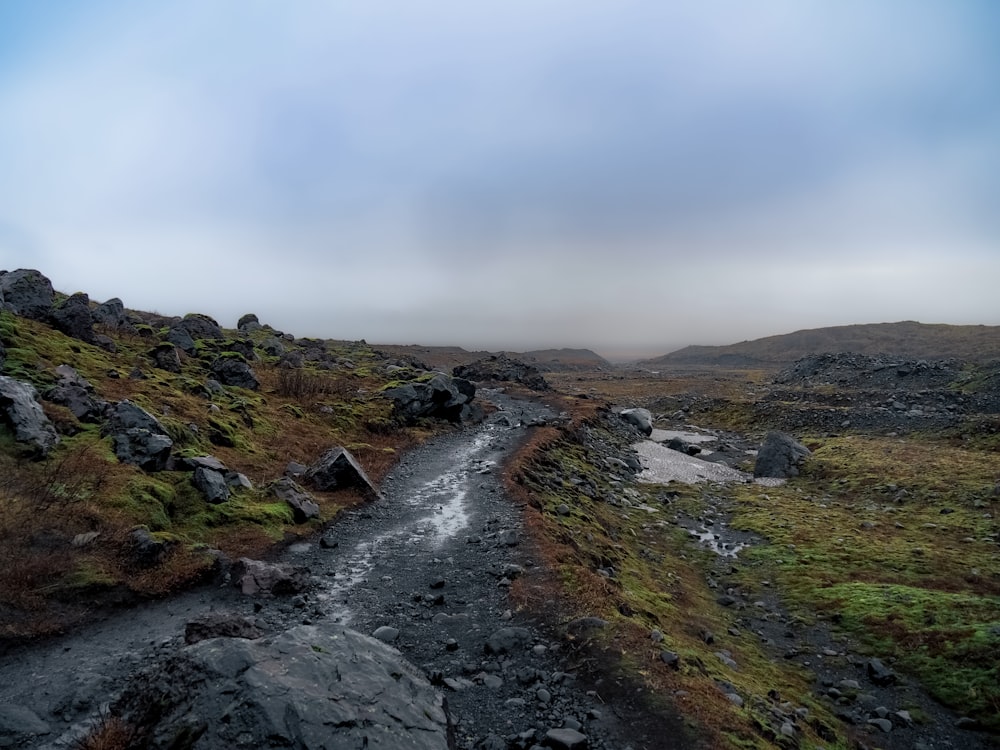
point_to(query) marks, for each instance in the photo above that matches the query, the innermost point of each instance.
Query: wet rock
(309, 687)
(27, 293)
(303, 505)
(780, 456)
(232, 370)
(338, 469)
(256, 578)
(221, 625)
(641, 419)
(22, 413)
(441, 397)
(19, 725)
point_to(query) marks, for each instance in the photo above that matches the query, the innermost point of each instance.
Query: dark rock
(671, 659)
(73, 317)
(880, 674)
(272, 347)
(338, 469)
(386, 634)
(303, 504)
(235, 372)
(211, 484)
(682, 446)
(502, 368)
(584, 627)
(165, 357)
(309, 687)
(138, 438)
(641, 419)
(221, 625)
(27, 293)
(18, 725)
(506, 640)
(201, 326)
(111, 314)
(248, 323)
(181, 338)
(565, 739)
(780, 456)
(77, 395)
(147, 552)
(327, 541)
(23, 415)
(238, 481)
(256, 578)
(441, 397)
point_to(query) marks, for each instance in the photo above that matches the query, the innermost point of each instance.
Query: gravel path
(430, 564)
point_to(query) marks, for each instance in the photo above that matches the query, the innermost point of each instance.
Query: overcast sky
(624, 175)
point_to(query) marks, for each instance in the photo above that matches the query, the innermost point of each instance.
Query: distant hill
(546, 360)
(905, 339)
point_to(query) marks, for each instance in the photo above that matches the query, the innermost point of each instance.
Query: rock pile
(501, 368)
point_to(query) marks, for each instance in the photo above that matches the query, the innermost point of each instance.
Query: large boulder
(338, 469)
(77, 395)
(780, 456)
(232, 370)
(442, 397)
(73, 317)
(201, 327)
(181, 338)
(138, 437)
(249, 323)
(641, 419)
(27, 293)
(211, 484)
(303, 504)
(165, 357)
(111, 314)
(23, 415)
(259, 578)
(500, 367)
(310, 687)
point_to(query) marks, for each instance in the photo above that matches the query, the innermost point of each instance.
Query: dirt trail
(431, 561)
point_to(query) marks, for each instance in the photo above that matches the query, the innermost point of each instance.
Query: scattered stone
(303, 505)
(671, 659)
(880, 674)
(211, 484)
(506, 640)
(386, 634)
(641, 419)
(257, 578)
(565, 739)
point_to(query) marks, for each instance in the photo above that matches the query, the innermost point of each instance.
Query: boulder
(441, 397)
(138, 438)
(272, 347)
(221, 625)
(500, 367)
(147, 552)
(338, 469)
(19, 725)
(258, 578)
(200, 326)
(641, 419)
(73, 317)
(22, 413)
(303, 504)
(507, 640)
(234, 371)
(310, 687)
(111, 314)
(165, 357)
(181, 338)
(211, 484)
(249, 323)
(780, 456)
(27, 293)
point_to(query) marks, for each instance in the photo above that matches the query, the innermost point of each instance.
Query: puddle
(714, 542)
(662, 436)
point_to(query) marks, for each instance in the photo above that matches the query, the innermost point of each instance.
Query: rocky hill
(545, 360)
(907, 339)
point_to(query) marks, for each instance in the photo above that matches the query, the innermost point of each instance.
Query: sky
(630, 176)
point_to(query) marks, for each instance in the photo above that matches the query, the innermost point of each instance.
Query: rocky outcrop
(338, 469)
(138, 438)
(232, 370)
(780, 456)
(864, 371)
(641, 419)
(249, 323)
(165, 357)
(221, 625)
(309, 687)
(303, 504)
(22, 413)
(500, 367)
(27, 293)
(440, 397)
(201, 326)
(211, 484)
(111, 315)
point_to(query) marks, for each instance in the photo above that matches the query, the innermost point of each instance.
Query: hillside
(546, 360)
(907, 339)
